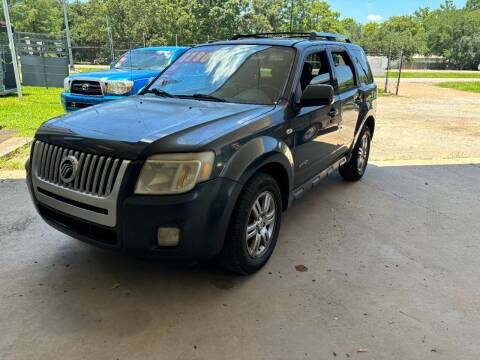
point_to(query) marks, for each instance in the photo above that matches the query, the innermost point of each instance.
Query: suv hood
(116, 74)
(129, 128)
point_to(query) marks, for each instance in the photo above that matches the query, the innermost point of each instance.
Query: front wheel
(354, 169)
(254, 227)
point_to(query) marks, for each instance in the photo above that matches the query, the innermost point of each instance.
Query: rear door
(368, 88)
(347, 95)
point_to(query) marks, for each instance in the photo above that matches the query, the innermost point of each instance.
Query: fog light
(168, 236)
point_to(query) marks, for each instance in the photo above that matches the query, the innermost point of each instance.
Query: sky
(377, 10)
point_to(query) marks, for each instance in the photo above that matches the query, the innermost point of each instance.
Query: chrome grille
(96, 174)
(86, 87)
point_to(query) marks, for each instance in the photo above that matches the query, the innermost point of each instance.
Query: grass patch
(464, 86)
(381, 92)
(90, 68)
(26, 115)
(16, 159)
(434, 75)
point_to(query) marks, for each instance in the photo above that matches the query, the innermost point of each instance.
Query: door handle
(332, 113)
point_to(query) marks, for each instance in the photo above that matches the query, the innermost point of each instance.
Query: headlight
(119, 87)
(174, 173)
(66, 84)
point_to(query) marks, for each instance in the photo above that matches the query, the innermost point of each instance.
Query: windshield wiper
(202, 97)
(159, 93)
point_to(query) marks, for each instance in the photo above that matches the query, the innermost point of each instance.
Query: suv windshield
(144, 59)
(249, 74)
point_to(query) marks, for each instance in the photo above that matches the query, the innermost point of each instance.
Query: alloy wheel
(261, 224)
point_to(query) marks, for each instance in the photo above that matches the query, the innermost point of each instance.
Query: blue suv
(126, 77)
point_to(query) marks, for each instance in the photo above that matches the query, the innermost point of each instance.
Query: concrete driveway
(389, 271)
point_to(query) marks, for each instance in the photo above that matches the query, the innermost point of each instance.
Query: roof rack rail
(329, 36)
(293, 35)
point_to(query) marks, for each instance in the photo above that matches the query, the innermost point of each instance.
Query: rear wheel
(254, 227)
(354, 169)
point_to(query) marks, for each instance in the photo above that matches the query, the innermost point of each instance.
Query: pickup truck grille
(86, 87)
(94, 175)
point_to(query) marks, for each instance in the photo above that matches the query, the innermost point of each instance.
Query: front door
(315, 128)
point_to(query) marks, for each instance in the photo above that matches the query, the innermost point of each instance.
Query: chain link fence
(87, 54)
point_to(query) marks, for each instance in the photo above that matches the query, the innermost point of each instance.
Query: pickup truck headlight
(66, 84)
(164, 174)
(119, 87)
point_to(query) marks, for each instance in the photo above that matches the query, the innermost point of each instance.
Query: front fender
(255, 154)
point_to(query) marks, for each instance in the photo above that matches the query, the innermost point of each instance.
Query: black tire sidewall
(252, 190)
(366, 131)
(349, 171)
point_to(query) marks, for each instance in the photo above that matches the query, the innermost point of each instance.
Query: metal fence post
(388, 66)
(67, 32)
(6, 14)
(400, 71)
(110, 40)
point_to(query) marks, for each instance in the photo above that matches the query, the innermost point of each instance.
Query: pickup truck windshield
(248, 74)
(144, 60)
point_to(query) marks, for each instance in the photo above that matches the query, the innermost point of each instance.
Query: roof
(291, 39)
(163, 48)
(298, 43)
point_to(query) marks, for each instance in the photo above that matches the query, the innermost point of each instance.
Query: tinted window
(344, 70)
(364, 70)
(345, 79)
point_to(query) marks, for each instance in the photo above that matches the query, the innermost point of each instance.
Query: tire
(354, 169)
(244, 254)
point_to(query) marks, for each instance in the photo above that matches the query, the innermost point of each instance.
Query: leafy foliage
(448, 31)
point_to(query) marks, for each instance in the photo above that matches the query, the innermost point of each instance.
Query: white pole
(12, 48)
(67, 31)
(110, 40)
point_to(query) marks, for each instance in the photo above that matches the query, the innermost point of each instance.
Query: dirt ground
(427, 122)
(385, 268)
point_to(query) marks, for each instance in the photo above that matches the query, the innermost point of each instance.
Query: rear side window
(344, 70)
(364, 70)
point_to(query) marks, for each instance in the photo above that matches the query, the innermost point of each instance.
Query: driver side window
(316, 70)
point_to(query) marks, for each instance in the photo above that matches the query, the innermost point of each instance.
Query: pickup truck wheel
(355, 168)
(254, 227)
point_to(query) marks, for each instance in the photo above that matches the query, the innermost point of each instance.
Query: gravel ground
(427, 122)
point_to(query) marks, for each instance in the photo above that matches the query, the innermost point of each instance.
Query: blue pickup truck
(126, 77)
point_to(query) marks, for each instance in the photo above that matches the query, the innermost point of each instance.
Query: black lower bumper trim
(96, 233)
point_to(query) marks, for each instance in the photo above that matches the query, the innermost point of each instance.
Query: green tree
(39, 16)
(472, 5)
(400, 32)
(453, 34)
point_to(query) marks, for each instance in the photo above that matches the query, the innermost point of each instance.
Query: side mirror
(317, 95)
(112, 65)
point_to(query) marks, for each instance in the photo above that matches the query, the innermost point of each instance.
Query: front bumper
(202, 216)
(72, 102)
